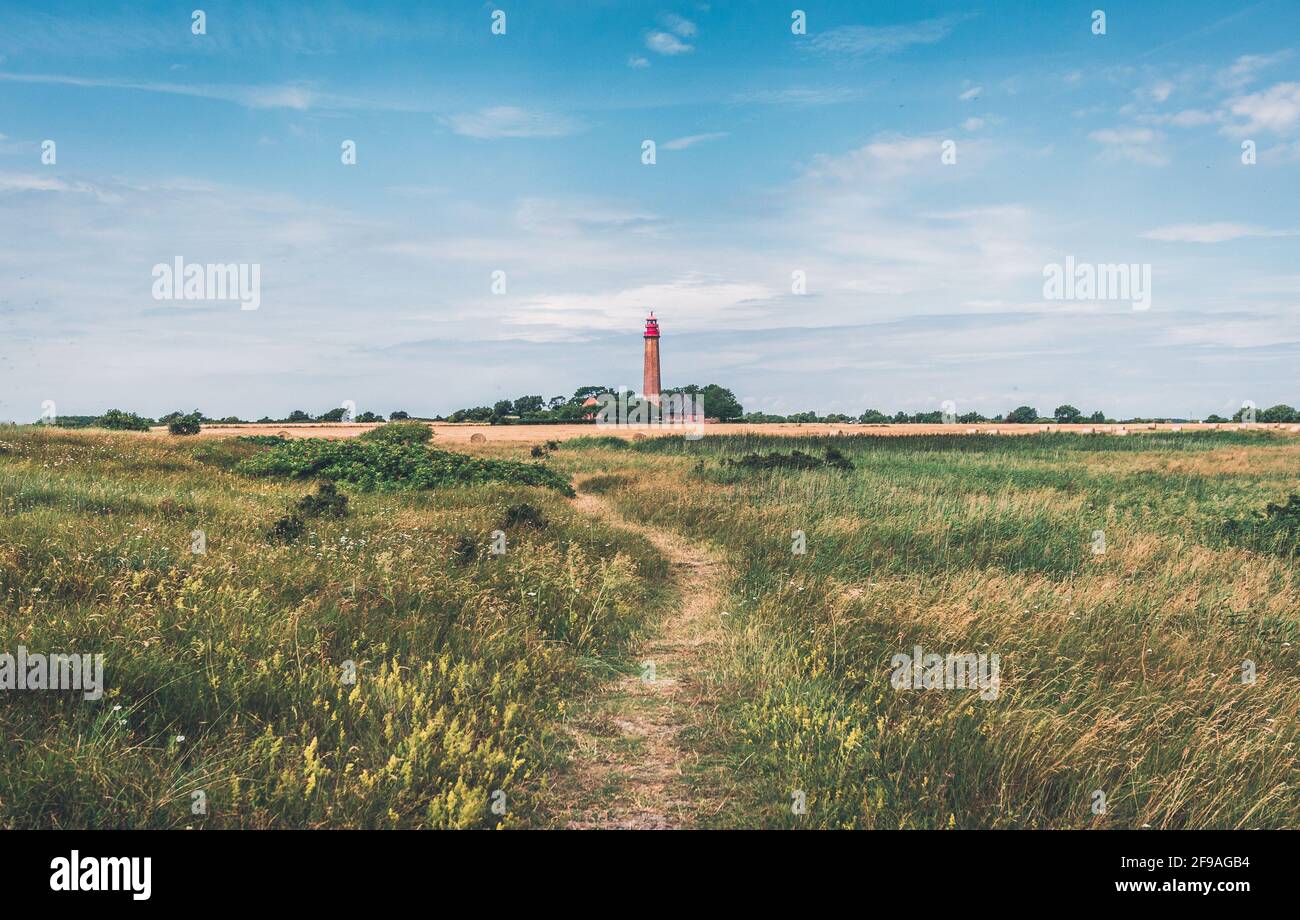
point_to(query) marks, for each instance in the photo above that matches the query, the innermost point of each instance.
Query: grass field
(1099, 570)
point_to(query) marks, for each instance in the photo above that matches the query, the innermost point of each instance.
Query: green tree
(1022, 415)
(1279, 413)
(1067, 414)
(526, 404)
(721, 403)
(582, 394)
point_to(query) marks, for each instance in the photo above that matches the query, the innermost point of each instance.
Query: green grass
(464, 667)
(1121, 671)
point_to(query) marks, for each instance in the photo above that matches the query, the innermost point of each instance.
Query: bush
(117, 420)
(287, 529)
(185, 424)
(387, 466)
(523, 515)
(327, 500)
(400, 433)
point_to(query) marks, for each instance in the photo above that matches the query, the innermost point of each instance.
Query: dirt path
(632, 759)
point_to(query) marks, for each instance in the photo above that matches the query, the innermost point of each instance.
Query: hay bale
(477, 438)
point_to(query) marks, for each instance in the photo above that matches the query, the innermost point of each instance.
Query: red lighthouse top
(651, 326)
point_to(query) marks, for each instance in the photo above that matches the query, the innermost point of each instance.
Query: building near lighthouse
(650, 374)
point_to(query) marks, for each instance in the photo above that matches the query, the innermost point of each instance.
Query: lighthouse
(650, 380)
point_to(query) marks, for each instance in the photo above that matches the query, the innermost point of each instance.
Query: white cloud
(666, 43)
(972, 93)
(295, 96)
(886, 157)
(1247, 67)
(511, 121)
(695, 301)
(1161, 91)
(637, 62)
(827, 95)
(282, 96)
(1188, 118)
(679, 24)
(575, 216)
(1275, 109)
(1140, 145)
(973, 124)
(1281, 153)
(856, 41)
(681, 143)
(1220, 232)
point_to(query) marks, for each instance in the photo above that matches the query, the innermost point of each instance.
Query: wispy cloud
(859, 41)
(667, 43)
(1221, 232)
(298, 97)
(511, 121)
(681, 143)
(680, 25)
(821, 95)
(1275, 109)
(1247, 67)
(1139, 145)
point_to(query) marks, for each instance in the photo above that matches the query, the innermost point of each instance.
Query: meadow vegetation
(226, 671)
(1124, 583)
(1122, 652)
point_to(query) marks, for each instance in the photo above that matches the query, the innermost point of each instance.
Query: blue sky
(776, 153)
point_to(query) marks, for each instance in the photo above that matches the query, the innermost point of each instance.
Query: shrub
(117, 420)
(523, 515)
(327, 500)
(287, 529)
(185, 424)
(400, 433)
(377, 465)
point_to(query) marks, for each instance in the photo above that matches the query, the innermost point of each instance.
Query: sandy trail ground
(451, 434)
(631, 760)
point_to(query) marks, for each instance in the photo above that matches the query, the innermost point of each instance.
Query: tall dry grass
(1121, 671)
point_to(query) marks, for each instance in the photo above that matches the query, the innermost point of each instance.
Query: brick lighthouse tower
(650, 381)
